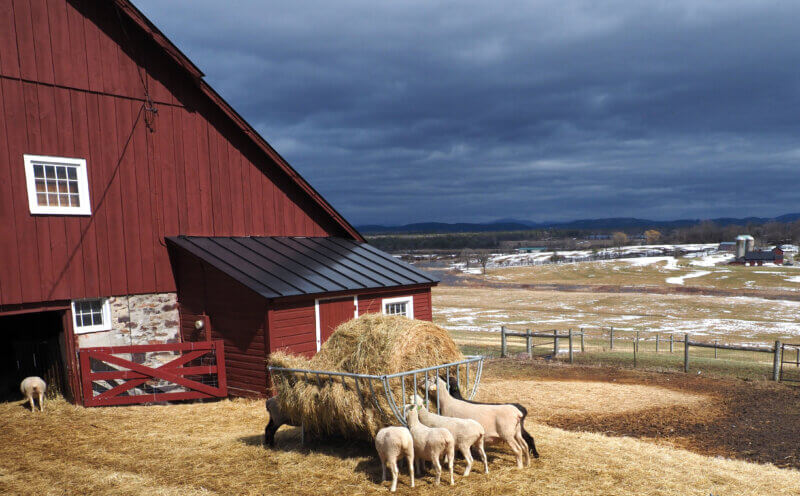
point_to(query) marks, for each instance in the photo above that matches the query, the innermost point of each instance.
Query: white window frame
(83, 185)
(408, 300)
(106, 313)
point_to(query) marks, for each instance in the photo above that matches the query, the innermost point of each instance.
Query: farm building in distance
(139, 208)
(746, 254)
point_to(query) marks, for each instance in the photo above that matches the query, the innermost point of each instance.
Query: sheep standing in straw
(393, 443)
(466, 432)
(430, 443)
(501, 422)
(456, 393)
(34, 387)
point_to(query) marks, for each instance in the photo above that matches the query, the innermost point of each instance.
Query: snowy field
(733, 318)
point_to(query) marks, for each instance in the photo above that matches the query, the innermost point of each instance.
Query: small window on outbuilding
(57, 185)
(399, 306)
(91, 315)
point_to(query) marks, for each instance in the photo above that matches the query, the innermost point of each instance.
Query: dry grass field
(640, 273)
(587, 431)
(729, 319)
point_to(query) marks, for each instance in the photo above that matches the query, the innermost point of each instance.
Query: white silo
(744, 243)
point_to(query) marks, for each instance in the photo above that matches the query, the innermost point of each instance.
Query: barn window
(91, 315)
(57, 185)
(399, 306)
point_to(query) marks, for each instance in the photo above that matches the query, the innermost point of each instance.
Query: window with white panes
(57, 185)
(91, 315)
(399, 306)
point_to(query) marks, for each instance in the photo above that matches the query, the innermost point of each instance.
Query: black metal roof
(275, 267)
(759, 255)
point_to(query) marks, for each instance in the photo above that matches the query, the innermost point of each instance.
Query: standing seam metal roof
(276, 267)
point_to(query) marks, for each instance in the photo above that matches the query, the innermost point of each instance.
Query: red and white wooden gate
(108, 379)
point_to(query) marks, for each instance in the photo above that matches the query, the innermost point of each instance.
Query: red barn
(138, 207)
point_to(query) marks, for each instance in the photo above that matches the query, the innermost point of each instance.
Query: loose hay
(371, 344)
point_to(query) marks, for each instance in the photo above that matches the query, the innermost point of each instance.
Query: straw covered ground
(215, 448)
(371, 344)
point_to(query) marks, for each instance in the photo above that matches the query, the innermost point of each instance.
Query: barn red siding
(293, 327)
(235, 315)
(70, 86)
(371, 303)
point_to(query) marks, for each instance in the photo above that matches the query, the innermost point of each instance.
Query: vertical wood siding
(236, 315)
(71, 86)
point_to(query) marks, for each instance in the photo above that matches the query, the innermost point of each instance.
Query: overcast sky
(407, 111)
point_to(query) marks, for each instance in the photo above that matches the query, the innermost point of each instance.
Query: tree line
(770, 233)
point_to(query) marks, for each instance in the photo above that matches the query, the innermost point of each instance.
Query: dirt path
(752, 421)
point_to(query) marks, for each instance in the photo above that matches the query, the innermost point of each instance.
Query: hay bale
(371, 344)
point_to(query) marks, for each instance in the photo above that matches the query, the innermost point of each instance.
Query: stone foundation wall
(138, 319)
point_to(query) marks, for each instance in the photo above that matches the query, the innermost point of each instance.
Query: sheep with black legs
(34, 387)
(393, 443)
(466, 433)
(430, 443)
(456, 393)
(276, 420)
(500, 422)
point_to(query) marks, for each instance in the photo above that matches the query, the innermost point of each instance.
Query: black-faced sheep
(456, 393)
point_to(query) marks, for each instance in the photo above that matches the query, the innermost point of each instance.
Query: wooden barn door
(331, 313)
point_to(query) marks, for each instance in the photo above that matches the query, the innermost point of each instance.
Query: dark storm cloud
(469, 111)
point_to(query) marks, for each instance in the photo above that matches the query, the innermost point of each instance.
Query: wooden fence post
(657, 339)
(555, 343)
(686, 352)
(776, 362)
(583, 348)
(503, 349)
(635, 348)
(571, 358)
(716, 341)
(612, 339)
(529, 343)
(797, 358)
(671, 341)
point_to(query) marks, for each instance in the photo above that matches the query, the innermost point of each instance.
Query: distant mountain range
(582, 224)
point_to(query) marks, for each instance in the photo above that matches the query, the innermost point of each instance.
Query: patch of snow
(680, 279)
(712, 260)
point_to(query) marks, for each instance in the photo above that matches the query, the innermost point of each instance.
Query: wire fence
(655, 350)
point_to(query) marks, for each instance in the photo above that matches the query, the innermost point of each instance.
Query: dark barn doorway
(33, 344)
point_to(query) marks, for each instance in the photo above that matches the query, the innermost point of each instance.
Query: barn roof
(275, 267)
(759, 255)
(125, 7)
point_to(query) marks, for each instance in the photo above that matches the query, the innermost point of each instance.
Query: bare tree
(483, 257)
(619, 238)
(652, 236)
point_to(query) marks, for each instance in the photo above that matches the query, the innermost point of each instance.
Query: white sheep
(500, 422)
(466, 433)
(34, 387)
(430, 443)
(393, 443)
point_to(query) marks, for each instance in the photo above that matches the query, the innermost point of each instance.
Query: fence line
(776, 351)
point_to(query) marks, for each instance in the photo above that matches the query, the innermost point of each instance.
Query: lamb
(456, 393)
(430, 443)
(466, 433)
(393, 443)
(276, 420)
(500, 422)
(34, 387)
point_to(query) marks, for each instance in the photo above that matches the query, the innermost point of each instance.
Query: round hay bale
(371, 344)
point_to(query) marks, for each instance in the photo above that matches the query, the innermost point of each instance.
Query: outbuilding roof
(276, 267)
(759, 255)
